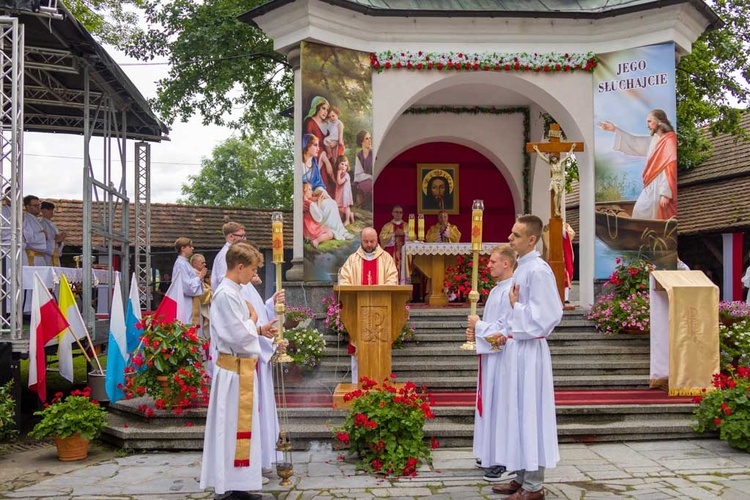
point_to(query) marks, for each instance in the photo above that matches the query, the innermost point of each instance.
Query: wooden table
(432, 259)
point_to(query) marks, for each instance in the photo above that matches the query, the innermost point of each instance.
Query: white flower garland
(551, 62)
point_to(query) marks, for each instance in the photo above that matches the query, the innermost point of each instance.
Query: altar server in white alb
(233, 232)
(232, 446)
(268, 328)
(192, 280)
(490, 334)
(527, 422)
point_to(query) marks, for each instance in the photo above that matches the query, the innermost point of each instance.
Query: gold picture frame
(429, 186)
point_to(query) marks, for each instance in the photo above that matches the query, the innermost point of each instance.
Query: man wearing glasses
(34, 237)
(233, 231)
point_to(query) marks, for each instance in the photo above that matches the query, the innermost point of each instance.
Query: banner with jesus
(635, 151)
(337, 155)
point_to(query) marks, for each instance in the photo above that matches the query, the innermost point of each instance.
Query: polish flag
(47, 322)
(168, 309)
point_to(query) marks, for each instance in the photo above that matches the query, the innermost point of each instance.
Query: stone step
(557, 338)
(326, 381)
(177, 435)
(584, 351)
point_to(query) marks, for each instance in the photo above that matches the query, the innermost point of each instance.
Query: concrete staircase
(583, 360)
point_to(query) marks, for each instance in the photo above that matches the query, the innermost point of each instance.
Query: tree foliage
(712, 83)
(111, 21)
(218, 65)
(249, 171)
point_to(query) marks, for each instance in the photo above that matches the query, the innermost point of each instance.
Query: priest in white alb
(490, 335)
(527, 423)
(369, 265)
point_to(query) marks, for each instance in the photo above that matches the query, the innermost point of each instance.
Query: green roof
(582, 9)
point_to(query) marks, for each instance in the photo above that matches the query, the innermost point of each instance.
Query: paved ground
(700, 469)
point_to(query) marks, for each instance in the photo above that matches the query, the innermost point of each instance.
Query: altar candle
(277, 237)
(420, 227)
(412, 236)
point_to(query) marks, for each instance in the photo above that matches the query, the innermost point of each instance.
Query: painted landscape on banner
(635, 157)
(337, 156)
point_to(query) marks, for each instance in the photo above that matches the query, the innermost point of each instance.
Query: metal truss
(143, 222)
(105, 204)
(11, 174)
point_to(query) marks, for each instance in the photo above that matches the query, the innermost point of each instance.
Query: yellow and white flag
(76, 330)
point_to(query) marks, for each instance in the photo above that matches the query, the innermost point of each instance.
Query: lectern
(373, 316)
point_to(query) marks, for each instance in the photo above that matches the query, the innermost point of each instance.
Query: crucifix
(550, 153)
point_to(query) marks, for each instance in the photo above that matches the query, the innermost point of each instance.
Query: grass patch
(55, 382)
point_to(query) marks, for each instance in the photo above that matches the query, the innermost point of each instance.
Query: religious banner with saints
(337, 156)
(635, 151)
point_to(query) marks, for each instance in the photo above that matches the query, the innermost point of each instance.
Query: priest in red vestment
(369, 265)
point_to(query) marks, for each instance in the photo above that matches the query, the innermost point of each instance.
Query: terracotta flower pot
(72, 448)
(164, 382)
(634, 331)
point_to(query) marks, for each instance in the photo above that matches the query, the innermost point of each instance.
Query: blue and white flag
(117, 349)
(133, 317)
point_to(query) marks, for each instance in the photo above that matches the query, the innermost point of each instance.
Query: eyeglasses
(240, 235)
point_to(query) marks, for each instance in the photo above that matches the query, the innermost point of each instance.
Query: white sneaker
(266, 480)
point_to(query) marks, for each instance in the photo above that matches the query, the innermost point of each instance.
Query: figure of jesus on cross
(550, 153)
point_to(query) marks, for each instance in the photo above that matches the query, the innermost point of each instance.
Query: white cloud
(53, 163)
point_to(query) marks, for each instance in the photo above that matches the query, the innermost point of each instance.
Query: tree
(217, 63)
(248, 171)
(712, 83)
(110, 21)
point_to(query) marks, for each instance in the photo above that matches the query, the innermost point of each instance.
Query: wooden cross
(554, 148)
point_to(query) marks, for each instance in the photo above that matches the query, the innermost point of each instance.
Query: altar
(432, 259)
(50, 276)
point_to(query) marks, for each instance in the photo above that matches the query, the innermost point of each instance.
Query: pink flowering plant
(726, 409)
(332, 320)
(169, 352)
(733, 311)
(625, 302)
(385, 427)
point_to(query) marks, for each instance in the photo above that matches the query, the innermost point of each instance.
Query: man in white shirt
(34, 237)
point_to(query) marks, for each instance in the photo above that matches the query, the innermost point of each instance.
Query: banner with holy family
(337, 156)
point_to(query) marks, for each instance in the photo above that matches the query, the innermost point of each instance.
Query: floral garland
(491, 110)
(552, 62)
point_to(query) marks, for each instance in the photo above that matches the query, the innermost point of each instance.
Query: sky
(53, 163)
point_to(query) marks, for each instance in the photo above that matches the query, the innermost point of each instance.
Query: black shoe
(244, 495)
(479, 463)
(497, 474)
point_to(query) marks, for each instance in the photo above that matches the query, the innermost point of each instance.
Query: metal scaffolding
(11, 173)
(143, 222)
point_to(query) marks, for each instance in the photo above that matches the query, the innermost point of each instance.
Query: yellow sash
(245, 367)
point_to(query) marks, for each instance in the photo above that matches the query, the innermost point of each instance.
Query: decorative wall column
(297, 271)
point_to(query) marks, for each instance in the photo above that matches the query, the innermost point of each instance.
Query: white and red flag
(47, 322)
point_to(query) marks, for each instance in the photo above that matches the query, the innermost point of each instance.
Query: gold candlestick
(277, 243)
(420, 227)
(412, 235)
(476, 246)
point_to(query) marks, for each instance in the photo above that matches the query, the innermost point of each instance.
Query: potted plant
(7, 412)
(385, 427)
(168, 365)
(735, 343)
(72, 422)
(406, 334)
(306, 346)
(332, 320)
(458, 279)
(731, 312)
(297, 315)
(726, 409)
(624, 305)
